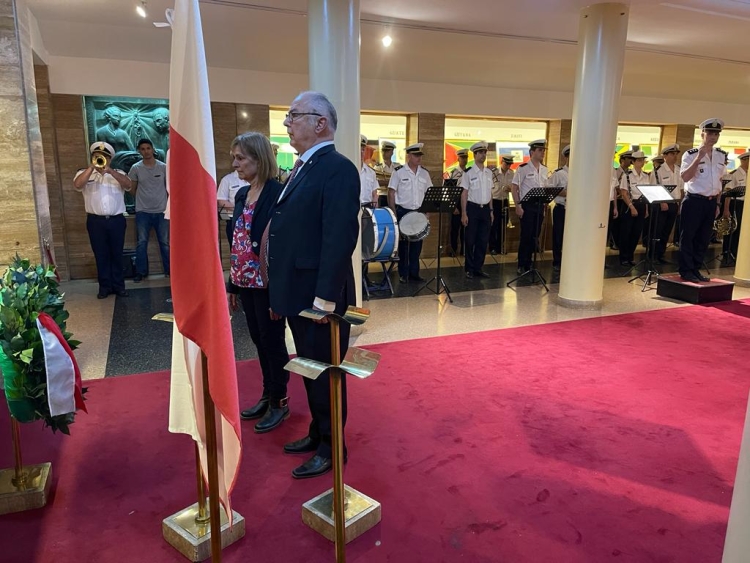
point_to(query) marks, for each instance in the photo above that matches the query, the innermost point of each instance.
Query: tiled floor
(118, 336)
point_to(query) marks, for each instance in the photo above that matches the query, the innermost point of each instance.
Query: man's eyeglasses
(292, 115)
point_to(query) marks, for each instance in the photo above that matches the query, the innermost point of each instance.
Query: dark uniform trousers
(269, 340)
(477, 235)
(696, 225)
(408, 252)
(558, 228)
(531, 226)
(497, 232)
(631, 229)
(664, 223)
(613, 228)
(735, 206)
(107, 237)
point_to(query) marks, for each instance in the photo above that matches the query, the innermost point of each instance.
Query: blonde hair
(257, 146)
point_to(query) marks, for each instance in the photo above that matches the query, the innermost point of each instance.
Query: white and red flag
(198, 293)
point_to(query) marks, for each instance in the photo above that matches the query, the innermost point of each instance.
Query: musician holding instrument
(733, 206)
(559, 179)
(702, 170)
(368, 194)
(104, 199)
(635, 208)
(502, 178)
(406, 191)
(476, 211)
(668, 174)
(615, 203)
(531, 174)
(457, 229)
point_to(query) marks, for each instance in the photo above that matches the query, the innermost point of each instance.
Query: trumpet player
(735, 205)
(104, 199)
(502, 178)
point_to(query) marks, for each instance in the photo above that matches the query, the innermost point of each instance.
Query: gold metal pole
(202, 517)
(213, 469)
(338, 443)
(19, 479)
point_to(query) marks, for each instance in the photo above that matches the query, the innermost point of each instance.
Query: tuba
(725, 226)
(99, 161)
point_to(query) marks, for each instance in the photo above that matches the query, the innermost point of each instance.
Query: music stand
(734, 193)
(539, 197)
(439, 199)
(653, 194)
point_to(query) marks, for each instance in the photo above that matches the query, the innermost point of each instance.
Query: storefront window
(638, 137)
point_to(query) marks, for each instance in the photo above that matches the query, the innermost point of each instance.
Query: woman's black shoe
(257, 411)
(278, 412)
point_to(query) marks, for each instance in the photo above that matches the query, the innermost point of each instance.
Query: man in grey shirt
(149, 178)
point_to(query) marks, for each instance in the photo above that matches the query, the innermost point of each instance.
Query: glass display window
(637, 137)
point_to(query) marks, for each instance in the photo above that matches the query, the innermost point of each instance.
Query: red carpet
(586, 441)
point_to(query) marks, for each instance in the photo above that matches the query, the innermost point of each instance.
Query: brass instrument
(99, 161)
(725, 226)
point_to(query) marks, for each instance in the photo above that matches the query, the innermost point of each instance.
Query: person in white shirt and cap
(228, 188)
(615, 203)
(667, 174)
(406, 191)
(559, 179)
(104, 200)
(531, 174)
(738, 177)
(502, 178)
(635, 208)
(457, 229)
(476, 211)
(368, 195)
(702, 170)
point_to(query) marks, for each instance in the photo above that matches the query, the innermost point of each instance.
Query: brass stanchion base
(362, 513)
(33, 495)
(192, 539)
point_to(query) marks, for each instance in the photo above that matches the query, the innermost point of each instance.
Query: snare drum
(379, 234)
(414, 226)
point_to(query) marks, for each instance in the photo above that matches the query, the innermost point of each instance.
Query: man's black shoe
(689, 277)
(470, 275)
(403, 279)
(701, 277)
(303, 446)
(481, 274)
(138, 278)
(122, 293)
(278, 412)
(313, 467)
(102, 295)
(417, 278)
(256, 411)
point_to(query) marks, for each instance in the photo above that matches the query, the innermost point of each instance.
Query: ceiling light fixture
(141, 9)
(387, 40)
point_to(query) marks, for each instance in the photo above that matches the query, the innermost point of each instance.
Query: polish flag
(198, 293)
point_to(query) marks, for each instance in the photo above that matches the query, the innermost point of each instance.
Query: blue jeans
(143, 224)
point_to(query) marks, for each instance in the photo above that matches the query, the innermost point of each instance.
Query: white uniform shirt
(527, 177)
(707, 179)
(386, 168)
(738, 178)
(559, 179)
(410, 187)
(632, 179)
(457, 173)
(501, 180)
(479, 185)
(368, 183)
(102, 194)
(668, 177)
(228, 188)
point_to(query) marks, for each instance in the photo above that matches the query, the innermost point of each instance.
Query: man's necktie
(297, 165)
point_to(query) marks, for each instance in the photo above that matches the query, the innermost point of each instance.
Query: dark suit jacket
(261, 216)
(314, 230)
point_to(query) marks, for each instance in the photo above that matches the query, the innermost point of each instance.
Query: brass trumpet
(99, 161)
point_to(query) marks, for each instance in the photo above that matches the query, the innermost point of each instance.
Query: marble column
(602, 34)
(333, 46)
(25, 224)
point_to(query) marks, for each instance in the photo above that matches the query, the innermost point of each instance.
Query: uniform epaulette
(722, 151)
(469, 168)
(80, 169)
(422, 167)
(397, 168)
(693, 151)
(733, 171)
(522, 165)
(558, 170)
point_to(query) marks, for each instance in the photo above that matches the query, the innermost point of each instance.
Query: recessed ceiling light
(244, 115)
(141, 9)
(387, 40)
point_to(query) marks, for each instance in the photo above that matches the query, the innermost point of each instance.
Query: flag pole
(337, 440)
(213, 469)
(202, 516)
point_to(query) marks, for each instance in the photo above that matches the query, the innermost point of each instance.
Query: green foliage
(25, 291)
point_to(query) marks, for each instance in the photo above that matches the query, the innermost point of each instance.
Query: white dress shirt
(559, 179)
(707, 179)
(228, 188)
(667, 176)
(478, 182)
(102, 194)
(409, 186)
(632, 179)
(305, 157)
(738, 178)
(368, 183)
(500, 180)
(529, 176)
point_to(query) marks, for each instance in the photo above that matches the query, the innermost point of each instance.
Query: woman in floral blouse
(254, 161)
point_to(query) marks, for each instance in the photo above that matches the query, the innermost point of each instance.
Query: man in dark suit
(312, 235)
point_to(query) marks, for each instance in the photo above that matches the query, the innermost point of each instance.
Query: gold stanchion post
(23, 488)
(340, 514)
(213, 467)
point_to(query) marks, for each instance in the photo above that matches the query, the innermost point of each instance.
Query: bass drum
(379, 234)
(414, 226)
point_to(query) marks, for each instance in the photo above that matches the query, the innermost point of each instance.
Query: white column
(737, 543)
(602, 34)
(333, 45)
(742, 268)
